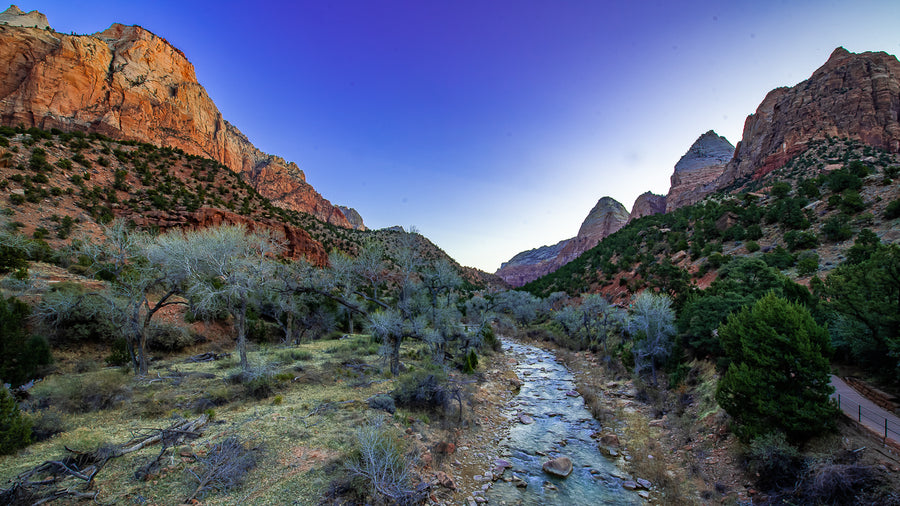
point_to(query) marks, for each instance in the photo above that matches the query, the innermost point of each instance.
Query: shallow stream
(548, 420)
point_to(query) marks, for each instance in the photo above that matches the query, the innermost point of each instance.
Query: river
(548, 420)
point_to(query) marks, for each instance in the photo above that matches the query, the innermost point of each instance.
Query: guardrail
(891, 428)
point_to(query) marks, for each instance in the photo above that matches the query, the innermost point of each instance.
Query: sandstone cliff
(696, 172)
(13, 16)
(646, 204)
(353, 217)
(852, 95)
(605, 218)
(128, 83)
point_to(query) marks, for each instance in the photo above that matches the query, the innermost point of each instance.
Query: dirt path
(866, 412)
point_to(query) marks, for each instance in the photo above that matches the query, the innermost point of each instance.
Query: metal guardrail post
(859, 413)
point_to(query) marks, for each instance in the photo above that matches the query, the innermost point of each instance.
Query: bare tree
(228, 266)
(651, 325)
(143, 280)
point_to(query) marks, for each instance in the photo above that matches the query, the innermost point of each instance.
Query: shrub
(773, 460)
(800, 240)
(422, 389)
(779, 258)
(892, 210)
(808, 263)
(837, 228)
(381, 464)
(222, 467)
(169, 338)
(84, 393)
(15, 429)
(752, 246)
(383, 402)
(21, 355)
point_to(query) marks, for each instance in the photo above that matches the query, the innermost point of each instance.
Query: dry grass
(300, 438)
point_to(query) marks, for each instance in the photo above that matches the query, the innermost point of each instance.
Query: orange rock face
(853, 95)
(128, 83)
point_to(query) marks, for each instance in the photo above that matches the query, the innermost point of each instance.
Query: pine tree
(778, 379)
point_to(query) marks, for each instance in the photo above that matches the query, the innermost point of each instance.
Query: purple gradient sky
(492, 126)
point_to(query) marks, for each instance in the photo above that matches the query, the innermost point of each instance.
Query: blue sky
(491, 126)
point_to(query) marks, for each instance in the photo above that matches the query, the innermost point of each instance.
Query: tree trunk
(241, 328)
(395, 356)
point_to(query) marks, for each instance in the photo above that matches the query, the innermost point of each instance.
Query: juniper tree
(778, 379)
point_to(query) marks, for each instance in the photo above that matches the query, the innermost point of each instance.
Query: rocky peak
(14, 16)
(353, 217)
(696, 171)
(709, 149)
(128, 83)
(646, 204)
(852, 95)
(606, 217)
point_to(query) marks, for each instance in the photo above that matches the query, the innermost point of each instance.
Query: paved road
(873, 415)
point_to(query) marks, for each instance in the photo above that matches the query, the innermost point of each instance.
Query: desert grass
(302, 433)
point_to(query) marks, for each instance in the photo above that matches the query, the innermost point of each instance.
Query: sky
(492, 126)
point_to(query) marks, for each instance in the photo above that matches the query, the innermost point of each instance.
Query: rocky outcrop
(297, 242)
(853, 95)
(14, 16)
(353, 217)
(128, 83)
(530, 265)
(646, 204)
(605, 218)
(697, 171)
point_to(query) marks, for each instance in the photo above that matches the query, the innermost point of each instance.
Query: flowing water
(561, 427)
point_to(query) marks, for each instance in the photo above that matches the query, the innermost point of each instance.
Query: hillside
(801, 218)
(129, 84)
(59, 183)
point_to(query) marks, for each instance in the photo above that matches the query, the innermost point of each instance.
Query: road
(873, 415)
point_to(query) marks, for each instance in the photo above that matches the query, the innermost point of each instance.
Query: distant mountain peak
(14, 16)
(710, 148)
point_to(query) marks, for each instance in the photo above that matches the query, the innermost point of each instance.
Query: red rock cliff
(852, 95)
(128, 83)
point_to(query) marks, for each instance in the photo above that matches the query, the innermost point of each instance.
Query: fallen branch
(34, 486)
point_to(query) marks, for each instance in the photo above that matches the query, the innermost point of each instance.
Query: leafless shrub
(223, 467)
(382, 464)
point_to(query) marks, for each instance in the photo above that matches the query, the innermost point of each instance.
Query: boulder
(560, 467)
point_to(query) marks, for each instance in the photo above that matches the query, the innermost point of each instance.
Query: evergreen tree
(15, 430)
(778, 379)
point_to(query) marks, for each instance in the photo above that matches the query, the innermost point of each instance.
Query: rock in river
(561, 467)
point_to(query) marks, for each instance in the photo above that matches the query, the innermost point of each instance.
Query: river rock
(443, 479)
(644, 494)
(560, 466)
(500, 466)
(572, 393)
(629, 485)
(525, 419)
(644, 483)
(610, 440)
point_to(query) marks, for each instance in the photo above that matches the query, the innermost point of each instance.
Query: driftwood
(207, 357)
(56, 479)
